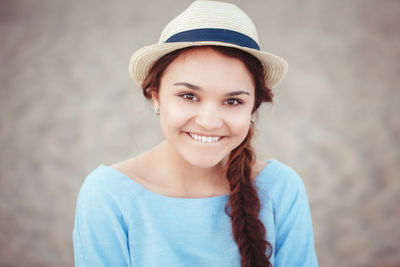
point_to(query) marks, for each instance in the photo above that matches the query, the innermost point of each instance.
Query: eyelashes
(233, 101)
(229, 101)
(189, 96)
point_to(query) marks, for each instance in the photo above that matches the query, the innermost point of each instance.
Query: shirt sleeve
(100, 233)
(294, 237)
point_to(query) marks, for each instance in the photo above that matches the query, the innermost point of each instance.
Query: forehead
(208, 68)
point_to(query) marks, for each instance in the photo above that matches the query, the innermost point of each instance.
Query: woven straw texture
(213, 14)
(207, 14)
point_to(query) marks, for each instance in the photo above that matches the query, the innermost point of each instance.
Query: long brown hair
(244, 205)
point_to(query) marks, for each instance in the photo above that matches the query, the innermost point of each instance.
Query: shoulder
(278, 173)
(294, 237)
(107, 186)
(105, 178)
(102, 219)
(284, 189)
(279, 181)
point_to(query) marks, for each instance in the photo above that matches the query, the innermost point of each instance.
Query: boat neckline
(150, 192)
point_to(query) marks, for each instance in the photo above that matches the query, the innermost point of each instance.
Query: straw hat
(208, 23)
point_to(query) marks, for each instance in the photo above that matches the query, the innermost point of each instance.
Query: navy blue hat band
(211, 34)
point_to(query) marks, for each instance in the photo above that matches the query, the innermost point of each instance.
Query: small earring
(157, 111)
(253, 119)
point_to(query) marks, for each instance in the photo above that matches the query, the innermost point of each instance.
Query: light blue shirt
(120, 223)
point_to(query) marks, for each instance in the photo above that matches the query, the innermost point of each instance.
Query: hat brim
(275, 68)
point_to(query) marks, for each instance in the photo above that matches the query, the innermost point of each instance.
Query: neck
(187, 180)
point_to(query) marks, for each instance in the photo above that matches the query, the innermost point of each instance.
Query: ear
(156, 102)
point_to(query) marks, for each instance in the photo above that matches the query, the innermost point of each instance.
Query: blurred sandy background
(67, 104)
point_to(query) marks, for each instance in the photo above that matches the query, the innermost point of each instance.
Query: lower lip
(214, 142)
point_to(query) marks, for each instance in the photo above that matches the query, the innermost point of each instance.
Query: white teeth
(204, 139)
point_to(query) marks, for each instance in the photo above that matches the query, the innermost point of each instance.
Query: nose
(209, 117)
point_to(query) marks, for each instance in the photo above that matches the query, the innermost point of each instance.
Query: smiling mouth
(205, 139)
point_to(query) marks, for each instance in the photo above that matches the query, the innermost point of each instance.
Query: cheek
(239, 124)
(173, 116)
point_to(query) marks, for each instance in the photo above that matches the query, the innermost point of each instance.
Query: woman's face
(205, 101)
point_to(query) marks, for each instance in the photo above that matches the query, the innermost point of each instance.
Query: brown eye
(189, 96)
(233, 102)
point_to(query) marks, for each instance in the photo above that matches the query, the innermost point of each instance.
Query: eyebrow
(197, 88)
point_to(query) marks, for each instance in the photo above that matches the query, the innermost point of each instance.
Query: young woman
(200, 197)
